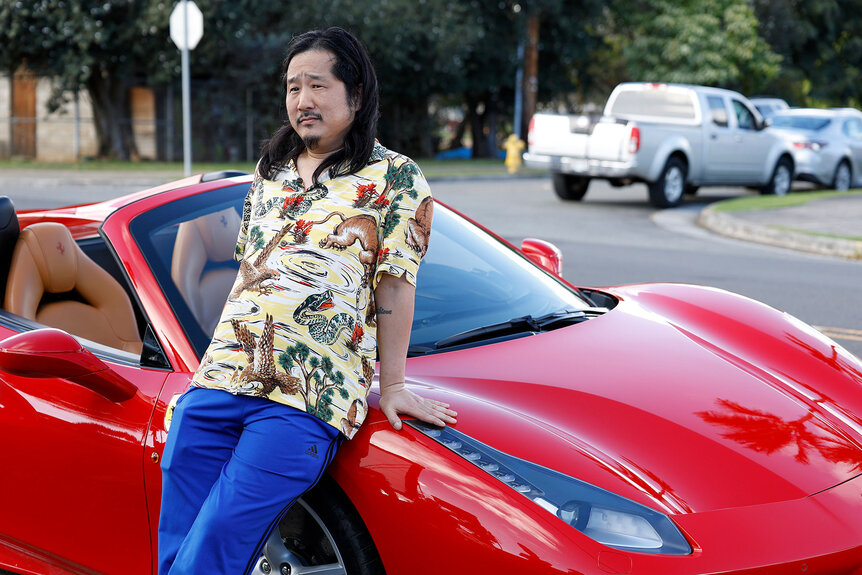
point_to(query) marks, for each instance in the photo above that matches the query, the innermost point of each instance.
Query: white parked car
(827, 144)
(768, 106)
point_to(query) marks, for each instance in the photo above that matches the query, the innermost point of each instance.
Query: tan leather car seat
(87, 301)
(209, 239)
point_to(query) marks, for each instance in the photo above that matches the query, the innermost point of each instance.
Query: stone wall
(55, 131)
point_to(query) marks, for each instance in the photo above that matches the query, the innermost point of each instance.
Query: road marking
(840, 332)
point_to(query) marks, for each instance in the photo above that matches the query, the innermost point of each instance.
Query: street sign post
(187, 29)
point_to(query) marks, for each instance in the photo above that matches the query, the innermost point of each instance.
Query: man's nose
(304, 100)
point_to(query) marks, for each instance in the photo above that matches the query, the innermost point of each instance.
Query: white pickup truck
(673, 137)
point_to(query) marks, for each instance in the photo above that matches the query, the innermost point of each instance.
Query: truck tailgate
(608, 141)
(555, 136)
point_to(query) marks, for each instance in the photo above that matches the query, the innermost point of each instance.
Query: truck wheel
(843, 177)
(782, 177)
(668, 190)
(569, 187)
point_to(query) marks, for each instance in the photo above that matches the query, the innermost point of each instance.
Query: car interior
(51, 281)
(202, 248)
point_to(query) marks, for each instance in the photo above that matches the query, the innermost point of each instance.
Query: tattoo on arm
(384, 311)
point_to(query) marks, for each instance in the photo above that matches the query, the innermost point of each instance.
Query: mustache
(305, 115)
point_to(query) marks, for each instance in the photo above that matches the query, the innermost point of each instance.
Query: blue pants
(232, 468)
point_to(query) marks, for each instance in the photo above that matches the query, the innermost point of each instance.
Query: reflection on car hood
(683, 398)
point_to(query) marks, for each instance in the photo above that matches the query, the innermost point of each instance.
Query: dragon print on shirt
(299, 326)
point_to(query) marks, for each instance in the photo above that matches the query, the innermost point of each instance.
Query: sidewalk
(828, 226)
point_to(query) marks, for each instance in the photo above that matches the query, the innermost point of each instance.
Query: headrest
(9, 230)
(55, 254)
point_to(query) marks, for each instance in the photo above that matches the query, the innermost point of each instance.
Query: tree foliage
(821, 45)
(100, 47)
(432, 55)
(710, 42)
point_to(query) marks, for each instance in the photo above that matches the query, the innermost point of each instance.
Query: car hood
(683, 398)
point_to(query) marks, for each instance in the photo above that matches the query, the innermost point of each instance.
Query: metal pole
(187, 115)
(249, 127)
(519, 90)
(77, 144)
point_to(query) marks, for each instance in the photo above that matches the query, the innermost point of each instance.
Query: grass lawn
(433, 169)
(772, 202)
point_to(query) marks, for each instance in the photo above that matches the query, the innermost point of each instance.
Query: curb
(725, 224)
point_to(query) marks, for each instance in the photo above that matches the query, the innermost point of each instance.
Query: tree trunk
(477, 125)
(491, 116)
(111, 112)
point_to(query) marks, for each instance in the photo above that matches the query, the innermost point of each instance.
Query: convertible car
(645, 429)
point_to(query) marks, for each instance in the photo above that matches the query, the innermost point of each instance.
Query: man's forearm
(393, 297)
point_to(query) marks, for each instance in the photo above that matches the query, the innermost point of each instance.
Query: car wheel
(668, 190)
(322, 533)
(843, 178)
(569, 187)
(782, 177)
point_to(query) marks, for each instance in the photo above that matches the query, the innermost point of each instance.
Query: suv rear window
(656, 102)
(801, 122)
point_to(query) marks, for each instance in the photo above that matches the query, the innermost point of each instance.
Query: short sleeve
(242, 237)
(406, 227)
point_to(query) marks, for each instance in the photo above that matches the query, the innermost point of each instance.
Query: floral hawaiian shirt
(299, 325)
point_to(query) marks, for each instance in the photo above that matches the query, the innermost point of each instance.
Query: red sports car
(650, 429)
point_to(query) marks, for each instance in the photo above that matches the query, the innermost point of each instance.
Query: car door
(719, 157)
(852, 129)
(72, 481)
(750, 145)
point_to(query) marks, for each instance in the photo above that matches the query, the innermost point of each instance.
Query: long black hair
(354, 68)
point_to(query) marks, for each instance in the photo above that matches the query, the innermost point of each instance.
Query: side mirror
(50, 352)
(544, 254)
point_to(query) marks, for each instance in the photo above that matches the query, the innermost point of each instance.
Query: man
(334, 227)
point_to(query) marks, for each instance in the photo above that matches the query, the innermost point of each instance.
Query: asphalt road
(615, 237)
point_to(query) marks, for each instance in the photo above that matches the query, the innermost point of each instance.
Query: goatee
(311, 142)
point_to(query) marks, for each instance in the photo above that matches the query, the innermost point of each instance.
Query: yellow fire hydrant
(514, 147)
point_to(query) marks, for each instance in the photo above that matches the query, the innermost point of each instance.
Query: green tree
(821, 45)
(102, 48)
(710, 42)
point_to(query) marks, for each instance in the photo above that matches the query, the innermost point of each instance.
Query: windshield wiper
(516, 326)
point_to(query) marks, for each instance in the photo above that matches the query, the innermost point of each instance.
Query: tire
(569, 187)
(668, 190)
(843, 179)
(322, 531)
(782, 177)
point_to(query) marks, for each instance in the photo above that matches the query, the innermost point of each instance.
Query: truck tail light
(530, 132)
(634, 140)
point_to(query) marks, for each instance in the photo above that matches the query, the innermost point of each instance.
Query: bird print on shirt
(261, 367)
(253, 275)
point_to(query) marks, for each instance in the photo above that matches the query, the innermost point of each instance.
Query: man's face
(317, 102)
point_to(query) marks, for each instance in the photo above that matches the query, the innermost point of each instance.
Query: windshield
(813, 123)
(467, 280)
